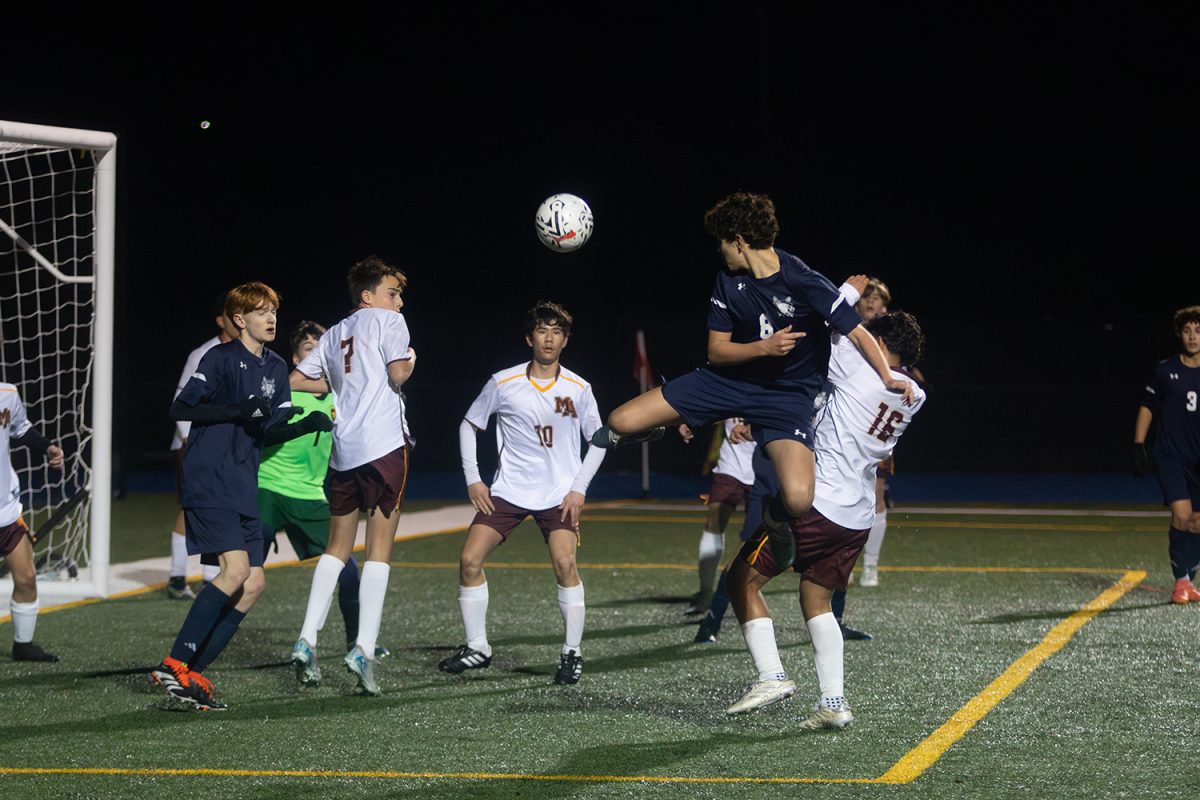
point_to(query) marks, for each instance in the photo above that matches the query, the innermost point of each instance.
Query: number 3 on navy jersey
(1191, 403)
(888, 428)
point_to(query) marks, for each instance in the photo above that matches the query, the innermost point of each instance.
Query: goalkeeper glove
(315, 422)
(254, 409)
(1140, 459)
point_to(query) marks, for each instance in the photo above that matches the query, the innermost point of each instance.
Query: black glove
(254, 409)
(1141, 462)
(315, 422)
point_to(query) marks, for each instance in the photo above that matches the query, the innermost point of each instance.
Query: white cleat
(763, 693)
(364, 669)
(304, 663)
(827, 719)
(869, 576)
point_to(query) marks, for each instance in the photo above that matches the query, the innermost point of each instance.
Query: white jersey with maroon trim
(353, 356)
(183, 427)
(14, 423)
(538, 430)
(734, 459)
(855, 430)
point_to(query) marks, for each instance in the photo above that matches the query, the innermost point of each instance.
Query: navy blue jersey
(752, 308)
(220, 464)
(1172, 396)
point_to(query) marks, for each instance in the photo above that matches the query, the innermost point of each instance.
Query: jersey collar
(535, 384)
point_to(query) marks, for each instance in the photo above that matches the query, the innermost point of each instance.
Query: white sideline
(134, 575)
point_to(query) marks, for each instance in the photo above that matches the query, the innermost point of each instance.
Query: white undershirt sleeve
(466, 447)
(587, 471)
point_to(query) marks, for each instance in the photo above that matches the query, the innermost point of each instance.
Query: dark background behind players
(1017, 173)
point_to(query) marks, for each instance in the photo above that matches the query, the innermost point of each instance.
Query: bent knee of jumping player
(797, 500)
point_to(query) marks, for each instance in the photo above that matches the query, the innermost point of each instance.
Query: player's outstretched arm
(869, 348)
(252, 409)
(299, 382)
(313, 422)
(723, 352)
(400, 371)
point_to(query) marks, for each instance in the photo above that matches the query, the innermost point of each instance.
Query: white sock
(24, 618)
(473, 602)
(760, 639)
(372, 589)
(828, 647)
(875, 540)
(320, 595)
(712, 547)
(570, 603)
(211, 571)
(178, 555)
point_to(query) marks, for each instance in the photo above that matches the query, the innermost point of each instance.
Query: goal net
(56, 299)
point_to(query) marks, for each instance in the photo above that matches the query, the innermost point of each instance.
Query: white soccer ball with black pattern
(564, 222)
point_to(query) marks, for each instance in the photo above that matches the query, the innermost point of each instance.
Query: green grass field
(1015, 656)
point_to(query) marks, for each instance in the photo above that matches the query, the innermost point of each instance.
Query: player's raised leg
(473, 600)
(795, 467)
(372, 590)
(342, 530)
(641, 419)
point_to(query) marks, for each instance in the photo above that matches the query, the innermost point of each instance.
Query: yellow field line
(923, 756)
(692, 567)
(299, 773)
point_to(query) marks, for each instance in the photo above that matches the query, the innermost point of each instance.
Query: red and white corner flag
(641, 363)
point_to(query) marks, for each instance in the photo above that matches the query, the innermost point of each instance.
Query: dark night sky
(1023, 177)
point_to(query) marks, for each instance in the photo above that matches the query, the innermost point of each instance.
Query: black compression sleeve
(204, 412)
(33, 440)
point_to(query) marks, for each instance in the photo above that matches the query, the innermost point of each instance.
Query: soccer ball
(563, 222)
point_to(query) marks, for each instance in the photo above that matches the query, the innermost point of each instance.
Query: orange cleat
(1185, 592)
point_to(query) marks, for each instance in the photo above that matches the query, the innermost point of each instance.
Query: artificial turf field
(1015, 656)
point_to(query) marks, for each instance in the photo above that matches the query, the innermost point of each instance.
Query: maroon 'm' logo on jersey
(564, 406)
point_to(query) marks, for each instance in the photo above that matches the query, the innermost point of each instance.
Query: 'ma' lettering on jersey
(565, 406)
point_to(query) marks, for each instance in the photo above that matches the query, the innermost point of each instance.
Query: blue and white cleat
(364, 669)
(304, 662)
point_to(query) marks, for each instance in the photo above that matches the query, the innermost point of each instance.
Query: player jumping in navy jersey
(1171, 398)
(768, 355)
(238, 392)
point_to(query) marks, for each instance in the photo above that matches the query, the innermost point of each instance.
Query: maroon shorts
(825, 551)
(506, 516)
(376, 484)
(727, 491)
(11, 536)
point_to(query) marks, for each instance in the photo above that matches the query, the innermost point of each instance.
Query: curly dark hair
(903, 336)
(1185, 315)
(544, 312)
(303, 330)
(752, 216)
(367, 274)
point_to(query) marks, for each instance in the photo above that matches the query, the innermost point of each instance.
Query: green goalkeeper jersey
(297, 468)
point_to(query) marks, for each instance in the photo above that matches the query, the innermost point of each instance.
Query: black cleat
(710, 628)
(605, 439)
(778, 528)
(570, 667)
(197, 691)
(464, 659)
(852, 635)
(29, 651)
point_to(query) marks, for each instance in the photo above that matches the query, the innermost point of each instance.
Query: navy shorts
(212, 531)
(703, 397)
(1178, 481)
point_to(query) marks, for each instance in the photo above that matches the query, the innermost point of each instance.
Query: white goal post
(57, 273)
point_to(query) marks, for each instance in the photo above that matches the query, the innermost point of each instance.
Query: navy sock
(1181, 550)
(348, 599)
(201, 619)
(720, 601)
(1193, 561)
(838, 602)
(217, 640)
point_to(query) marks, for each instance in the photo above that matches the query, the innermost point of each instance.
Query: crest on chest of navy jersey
(268, 387)
(784, 305)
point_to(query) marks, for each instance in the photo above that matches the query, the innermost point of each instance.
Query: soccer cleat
(570, 667)
(697, 605)
(304, 663)
(779, 533)
(851, 635)
(170, 673)
(464, 659)
(869, 577)
(606, 439)
(364, 669)
(826, 718)
(197, 692)
(178, 589)
(29, 651)
(763, 693)
(1185, 592)
(381, 652)
(709, 628)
